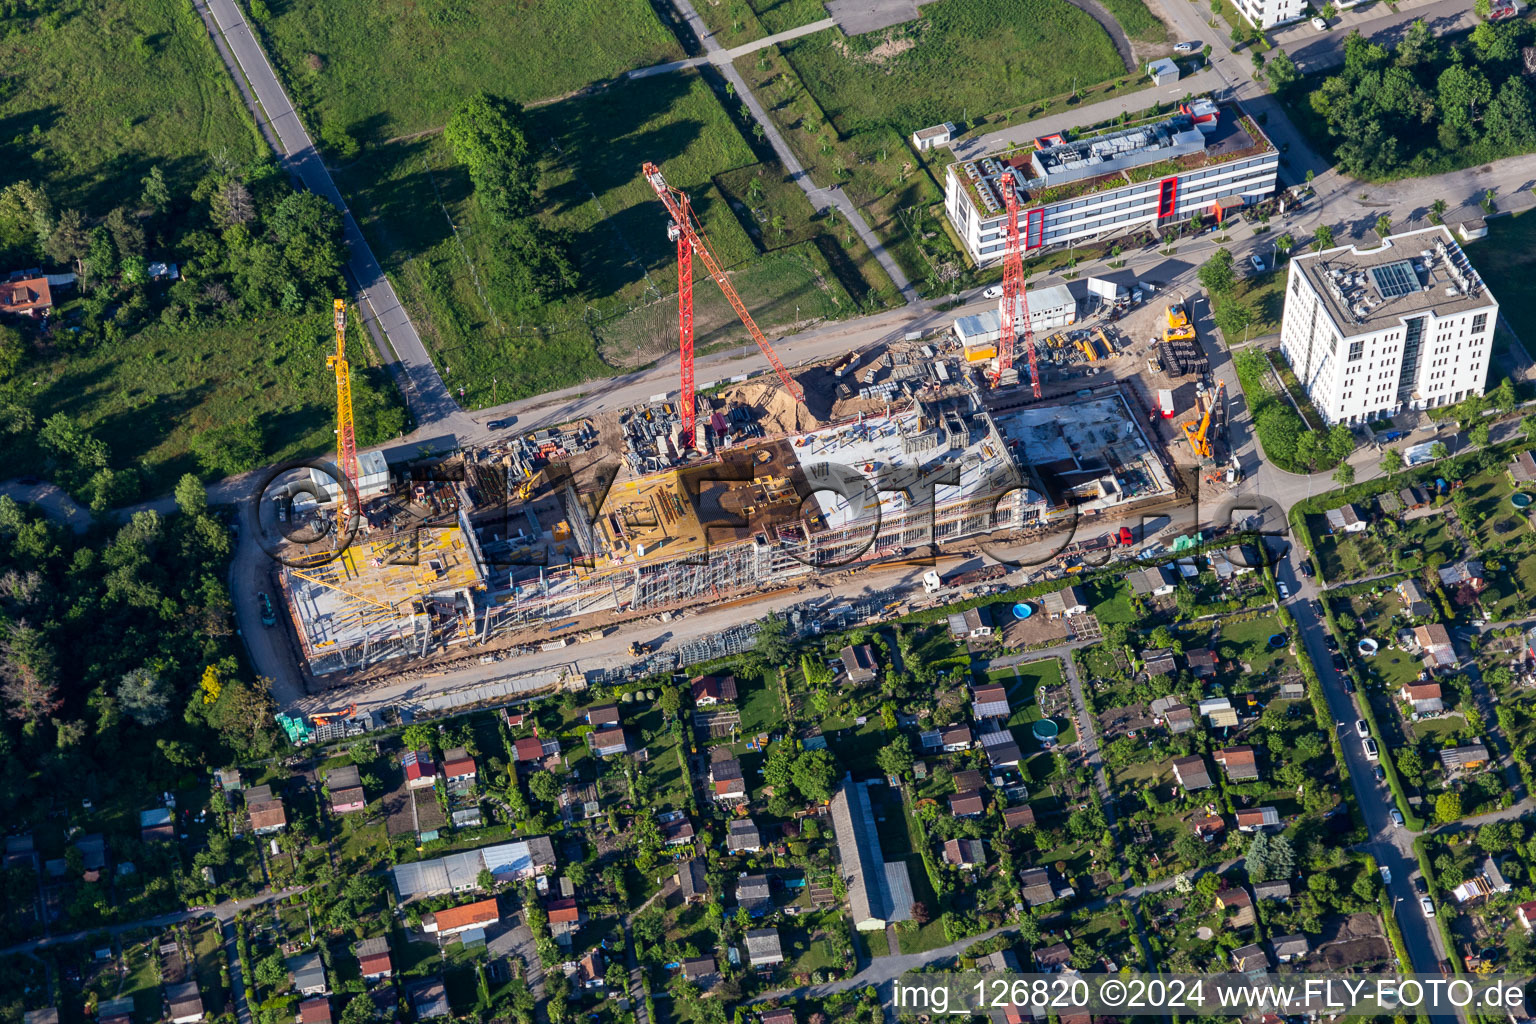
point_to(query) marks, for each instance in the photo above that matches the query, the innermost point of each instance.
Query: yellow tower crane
(346, 435)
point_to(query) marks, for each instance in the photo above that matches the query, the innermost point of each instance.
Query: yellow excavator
(1179, 326)
(1199, 434)
(639, 648)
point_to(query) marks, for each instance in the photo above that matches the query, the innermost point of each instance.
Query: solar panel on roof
(1395, 280)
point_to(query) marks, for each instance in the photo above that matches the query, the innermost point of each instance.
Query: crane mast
(346, 435)
(1014, 300)
(686, 230)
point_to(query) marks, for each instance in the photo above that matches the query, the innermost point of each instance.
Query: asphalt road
(424, 391)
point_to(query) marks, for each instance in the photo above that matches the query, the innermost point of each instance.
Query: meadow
(95, 92)
(377, 69)
(734, 22)
(962, 58)
(498, 345)
(150, 395)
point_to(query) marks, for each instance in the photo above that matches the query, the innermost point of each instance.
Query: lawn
(1265, 296)
(1139, 23)
(395, 67)
(1249, 641)
(151, 394)
(491, 337)
(961, 58)
(100, 91)
(733, 22)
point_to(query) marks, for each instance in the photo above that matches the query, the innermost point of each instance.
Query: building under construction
(478, 557)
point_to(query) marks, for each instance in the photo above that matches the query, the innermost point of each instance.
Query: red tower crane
(689, 235)
(1014, 300)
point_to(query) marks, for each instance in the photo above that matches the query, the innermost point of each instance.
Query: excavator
(1179, 326)
(639, 648)
(1199, 434)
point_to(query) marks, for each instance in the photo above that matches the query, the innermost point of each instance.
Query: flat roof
(1111, 158)
(1369, 290)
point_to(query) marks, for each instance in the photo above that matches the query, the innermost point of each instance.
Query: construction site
(748, 487)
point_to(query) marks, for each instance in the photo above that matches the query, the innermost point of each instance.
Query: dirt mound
(776, 411)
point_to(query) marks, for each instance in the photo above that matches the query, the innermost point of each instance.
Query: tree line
(1424, 107)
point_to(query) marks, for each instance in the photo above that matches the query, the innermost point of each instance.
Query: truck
(1127, 538)
(1165, 402)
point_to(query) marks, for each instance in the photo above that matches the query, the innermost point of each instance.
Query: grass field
(98, 91)
(399, 66)
(962, 58)
(733, 22)
(624, 312)
(1139, 23)
(150, 395)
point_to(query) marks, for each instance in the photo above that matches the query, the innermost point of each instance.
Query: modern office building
(1205, 160)
(1269, 13)
(1406, 325)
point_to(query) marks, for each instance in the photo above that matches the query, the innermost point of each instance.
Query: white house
(1407, 325)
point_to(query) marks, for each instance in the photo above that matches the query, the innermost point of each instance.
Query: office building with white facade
(1269, 13)
(1205, 159)
(1370, 332)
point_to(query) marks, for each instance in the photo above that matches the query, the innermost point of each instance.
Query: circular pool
(1368, 647)
(1046, 731)
(1520, 499)
(1022, 611)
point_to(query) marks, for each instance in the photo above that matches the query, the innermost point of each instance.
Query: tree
(1322, 238)
(1384, 225)
(1483, 8)
(271, 972)
(360, 1009)
(68, 241)
(1217, 274)
(1418, 46)
(815, 773)
(1437, 211)
(232, 204)
(1478, 435)
(1282, 71)
(1503, 397)
(1461, 92)
(895, 758)
(1344, 475)
(1391, 461)
(418, 736)
(229, 448)
(144, 696)
(771, 645)
(778, 767)
(1447, 807)
(191, 496)
(1510, 120)
(28, 678)
(309, 230)
(544, 786)
(1438, 450)
(155, 195)
(1233, 318)
(13, 347)
(671, 701)
(486, 135)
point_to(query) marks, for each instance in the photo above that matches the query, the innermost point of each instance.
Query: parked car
(1339, 664)
(1285, 591)
(1306, 567)
(1386, 874)
(1185, 47)
(1258, 264)
(1371, 753)
(995, 292)
(501, 424)
(1427, 905)
(1349, 685)
(1420, 886)
(1381, 774)
(1320, 24)
(1330, 642)
(1361, 729)
(1397, 818)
